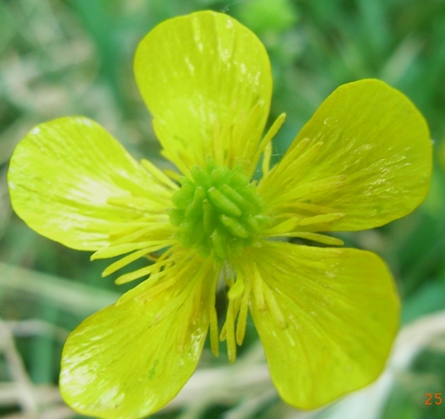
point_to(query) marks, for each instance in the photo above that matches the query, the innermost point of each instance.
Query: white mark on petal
(225, 54)
(35, 130)
(189, 65)
(87, 122)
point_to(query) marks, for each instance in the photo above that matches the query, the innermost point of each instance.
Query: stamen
(216, 150)
(284, 227)
(155, 204)
(136, 188)
(192, 294)
(236, 290)
(112, 251)
(173, 175)
(267, 155)
(310, 189)
(321, 219)
(265, 298)
(235, 296)
(174, 274)
(214, 342)
(135, 235)
(273, 307)
(158, 174)
(173, 153)
(299, 146)
(295, 163)
(242, 316)
(257, 288)
(316, 237)
(269, 136)
(184, 332)
(119, 228)
(290, 156)
(228, 333)
(289, 227)
(124, 261)
(148, 270)
(159, 286)
(197, 302)
(306, 157)
(237, 145)
(304, 206)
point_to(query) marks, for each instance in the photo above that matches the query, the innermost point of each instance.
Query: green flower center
(218, 209)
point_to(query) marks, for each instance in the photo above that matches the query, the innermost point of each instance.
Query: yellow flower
(326, 316)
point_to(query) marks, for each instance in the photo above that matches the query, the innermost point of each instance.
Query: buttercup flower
(326, 316)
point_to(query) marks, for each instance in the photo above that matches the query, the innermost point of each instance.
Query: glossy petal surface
(132, 358)
(326, 317)
(206, 80)
(62, 176)
(366, 153)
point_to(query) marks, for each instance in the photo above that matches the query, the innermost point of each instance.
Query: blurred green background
(75, 58)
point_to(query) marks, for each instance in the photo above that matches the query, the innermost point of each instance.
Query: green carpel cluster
(218, 209)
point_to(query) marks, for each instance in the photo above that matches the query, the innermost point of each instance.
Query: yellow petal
(365, 153)
(130, 359)
(72, 182)
(326, 317)
(206, 79)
